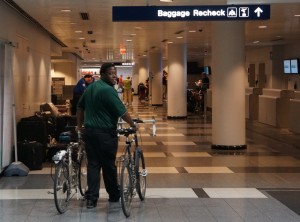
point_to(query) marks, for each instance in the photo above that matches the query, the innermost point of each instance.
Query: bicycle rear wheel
(140, 173)
(126, 189)
(82, 174)
(62, 194)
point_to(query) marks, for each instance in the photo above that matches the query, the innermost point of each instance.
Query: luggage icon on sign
(231, 12)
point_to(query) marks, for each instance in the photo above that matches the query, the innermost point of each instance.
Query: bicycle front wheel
(62, 190)
(82, 174)
(140, 173)
(126, 189)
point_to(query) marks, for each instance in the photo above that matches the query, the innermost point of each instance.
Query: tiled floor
(187, 180)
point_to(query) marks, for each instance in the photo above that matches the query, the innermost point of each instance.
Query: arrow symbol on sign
(258, 11)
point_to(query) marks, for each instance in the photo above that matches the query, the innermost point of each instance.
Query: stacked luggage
(35, 136)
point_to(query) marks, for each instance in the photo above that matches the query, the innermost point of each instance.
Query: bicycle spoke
(82, 174)
(141, 174)
(126, 189)
(62, 191)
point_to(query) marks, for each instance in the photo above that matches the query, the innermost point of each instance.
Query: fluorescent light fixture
(65, 10)
(81, 38)
(262, 26)
(297, 15)
(128, 40)
(166, 0)
(170, 42)
(179, 37)
(192, 31)
(78, 31)
(255, 42)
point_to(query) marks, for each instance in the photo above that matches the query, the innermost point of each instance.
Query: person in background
(199, 93)
(205, 80)
(165, 84)
(120, 81)
(147, 89)
(79, 89)
(127, 91)
(101, 108)
(141, 91)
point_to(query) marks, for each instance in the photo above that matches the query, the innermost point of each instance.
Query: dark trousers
(101, 149)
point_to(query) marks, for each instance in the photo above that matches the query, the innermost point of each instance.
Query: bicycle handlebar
(126, 131)
(137, 120)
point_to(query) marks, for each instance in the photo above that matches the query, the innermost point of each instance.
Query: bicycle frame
(68, 175)
(132, 173)
(130, 154)
(72, 171)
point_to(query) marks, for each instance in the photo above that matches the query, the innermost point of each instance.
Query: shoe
(91, 204)
(114, 199)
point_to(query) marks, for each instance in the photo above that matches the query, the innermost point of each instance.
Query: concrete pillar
(228, 90)
(155, 68)
(143, 70)
(135, 77)
(177, 79)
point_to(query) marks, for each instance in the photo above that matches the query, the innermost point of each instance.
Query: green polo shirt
(102, 106)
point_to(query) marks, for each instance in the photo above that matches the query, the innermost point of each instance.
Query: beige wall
(273, 59)
(66, 70)
(30, 70)
(291, 52)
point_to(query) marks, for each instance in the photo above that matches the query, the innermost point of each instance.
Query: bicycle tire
(126, 189)
(82, 174)
(61, 187)
(140, 173)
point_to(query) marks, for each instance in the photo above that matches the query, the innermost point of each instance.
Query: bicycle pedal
(144, 173)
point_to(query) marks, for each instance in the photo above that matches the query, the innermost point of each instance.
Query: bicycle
(70, 173)
(132, 168)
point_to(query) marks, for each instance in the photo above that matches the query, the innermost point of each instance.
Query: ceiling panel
(107, 36)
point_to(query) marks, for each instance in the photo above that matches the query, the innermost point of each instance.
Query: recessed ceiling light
(166, 0)
(65, 10)
(192, 31)
(128, 40)
(78, 31)
(262, 26)
(132, 34)
(297, 15)
(255, 42)
(81, 38)
(170, 42)
(179, 37)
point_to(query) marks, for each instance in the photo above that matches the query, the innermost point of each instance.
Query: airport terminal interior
(234, 157)
(186, 181)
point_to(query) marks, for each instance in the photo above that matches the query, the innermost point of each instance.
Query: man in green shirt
(101, 108)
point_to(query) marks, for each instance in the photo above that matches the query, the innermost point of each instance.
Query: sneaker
(91, 204)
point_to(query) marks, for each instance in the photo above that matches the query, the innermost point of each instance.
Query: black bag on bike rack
(53, 149)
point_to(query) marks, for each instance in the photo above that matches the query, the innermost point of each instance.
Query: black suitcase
(31, 154)
(32, 131)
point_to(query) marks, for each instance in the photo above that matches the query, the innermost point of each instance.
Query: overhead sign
(191, 13)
